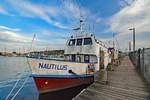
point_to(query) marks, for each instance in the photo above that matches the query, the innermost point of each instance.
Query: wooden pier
(124, 83)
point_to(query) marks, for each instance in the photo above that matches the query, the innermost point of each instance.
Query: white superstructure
(86, 48)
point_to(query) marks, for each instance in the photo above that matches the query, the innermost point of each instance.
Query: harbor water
(11, 70)
(17, 68)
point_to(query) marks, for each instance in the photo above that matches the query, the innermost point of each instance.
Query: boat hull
(64, 94)
(52, 84)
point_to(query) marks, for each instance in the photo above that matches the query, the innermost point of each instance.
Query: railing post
(143, 63)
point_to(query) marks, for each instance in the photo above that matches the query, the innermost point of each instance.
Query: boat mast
(32, 43)
(80, 28)
(81, 21)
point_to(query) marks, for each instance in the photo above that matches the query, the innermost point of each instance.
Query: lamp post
(133, 38)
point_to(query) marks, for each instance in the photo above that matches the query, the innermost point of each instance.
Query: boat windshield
(71, 42)
(87, 41)
(79, 41)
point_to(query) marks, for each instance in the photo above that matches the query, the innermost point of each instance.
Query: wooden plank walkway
(124, 83)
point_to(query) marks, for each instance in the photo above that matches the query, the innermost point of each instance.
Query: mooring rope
(20, 88)
(13, 88)
(16, 85)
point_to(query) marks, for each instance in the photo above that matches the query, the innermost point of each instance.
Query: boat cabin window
(78, 59)
(73, 58)
(86, 58)
(79, 41)
(72, 42)
(87, 41)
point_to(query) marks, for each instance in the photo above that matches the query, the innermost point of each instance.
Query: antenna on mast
(81, 21)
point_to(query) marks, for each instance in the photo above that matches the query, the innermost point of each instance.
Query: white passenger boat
(84, 54)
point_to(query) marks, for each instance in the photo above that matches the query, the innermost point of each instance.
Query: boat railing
(55, 59)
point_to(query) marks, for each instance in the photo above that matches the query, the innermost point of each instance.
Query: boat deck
(124, 83)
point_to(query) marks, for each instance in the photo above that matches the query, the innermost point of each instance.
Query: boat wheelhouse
(86, 48)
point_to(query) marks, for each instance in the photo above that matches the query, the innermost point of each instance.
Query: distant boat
(82, 58)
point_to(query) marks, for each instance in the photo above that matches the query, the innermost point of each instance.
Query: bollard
(110, 67)
(103, 76)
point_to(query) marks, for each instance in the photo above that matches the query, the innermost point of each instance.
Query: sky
(53, 20)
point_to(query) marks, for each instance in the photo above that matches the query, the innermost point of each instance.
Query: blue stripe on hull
(61, 76)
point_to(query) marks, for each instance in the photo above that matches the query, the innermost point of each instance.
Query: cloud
(53, 42)
(9, 36)
(46, 33)
(72, 12)
(98, 20)
(65, 15)
(134, 15)
(3, 11)
(60, 25)
(53, 34)
(10, 29)
(124, 3)
(95, 18)
(14, 40)
(28, 9)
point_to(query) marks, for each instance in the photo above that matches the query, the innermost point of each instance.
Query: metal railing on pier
(141, 59)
